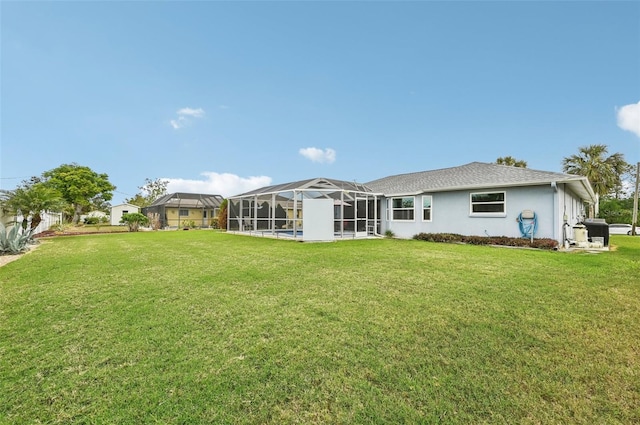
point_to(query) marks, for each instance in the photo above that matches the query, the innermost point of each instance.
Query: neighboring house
(117, 211)
(473, 199)
(97, 214)
(185, 209)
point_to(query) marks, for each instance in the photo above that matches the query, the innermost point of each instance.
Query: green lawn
(205, 327)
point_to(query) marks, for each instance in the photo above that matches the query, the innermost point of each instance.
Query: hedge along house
(480, 199)
(317, 209)
(177, 210)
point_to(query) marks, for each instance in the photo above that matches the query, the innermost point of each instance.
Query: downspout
(556, 213)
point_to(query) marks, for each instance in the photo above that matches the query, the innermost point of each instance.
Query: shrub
(60, 227)
(188, 224)
(134, 221)
(91, 220)
(222, 215)
(438, 237)
(487, 240)
(16, 240)
(389, 234)
(154, 220)
(545, 244)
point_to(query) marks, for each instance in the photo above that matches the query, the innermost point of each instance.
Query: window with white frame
(488, 203)
(402, 209)
(426, 207)
(183, 213)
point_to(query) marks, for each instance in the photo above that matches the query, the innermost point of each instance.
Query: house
(117, 211)
(473, 199)
(100, 215)
(185, 209)
(483, 199)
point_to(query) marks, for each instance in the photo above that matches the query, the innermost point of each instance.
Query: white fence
(48, 220)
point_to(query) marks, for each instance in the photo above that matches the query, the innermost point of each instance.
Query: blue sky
(224, 97)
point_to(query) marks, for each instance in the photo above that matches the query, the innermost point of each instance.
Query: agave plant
(15, 240)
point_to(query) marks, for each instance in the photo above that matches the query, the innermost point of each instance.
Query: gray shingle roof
(188, 200)
(469, 176)
(316, 183)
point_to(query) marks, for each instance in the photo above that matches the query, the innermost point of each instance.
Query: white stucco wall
(451, 214)
(570, 205)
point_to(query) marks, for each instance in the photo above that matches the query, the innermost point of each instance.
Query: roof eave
(587, 193)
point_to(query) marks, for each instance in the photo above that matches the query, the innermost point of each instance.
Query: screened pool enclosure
(311, 210)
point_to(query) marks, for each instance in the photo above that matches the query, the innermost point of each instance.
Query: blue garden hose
(528, 226)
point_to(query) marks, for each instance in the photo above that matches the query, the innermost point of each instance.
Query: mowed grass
(205, 327)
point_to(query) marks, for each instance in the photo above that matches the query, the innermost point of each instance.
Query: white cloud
(224, 184)
(629, 118)
(176, 124)
(184, 117)
(197, 113)
(318, 155)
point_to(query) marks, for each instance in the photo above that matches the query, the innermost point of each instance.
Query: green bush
(134, 221)
(91, 220)
(188, 224)
(59, 227)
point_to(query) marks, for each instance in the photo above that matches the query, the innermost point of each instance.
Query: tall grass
(205, 327)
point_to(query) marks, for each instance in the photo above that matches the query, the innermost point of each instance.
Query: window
(204, 213)
(183, 213)
(488, 203)
(402, 208)
(125, 212)
(426, 208)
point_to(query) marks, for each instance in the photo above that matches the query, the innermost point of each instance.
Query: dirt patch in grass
(6, 259)
(82, 230)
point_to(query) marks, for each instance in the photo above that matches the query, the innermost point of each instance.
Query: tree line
(75, 189)
(611, 178)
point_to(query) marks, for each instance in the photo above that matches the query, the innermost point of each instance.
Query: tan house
(179, 210)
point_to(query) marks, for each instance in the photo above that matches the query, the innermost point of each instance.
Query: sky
(226, 97)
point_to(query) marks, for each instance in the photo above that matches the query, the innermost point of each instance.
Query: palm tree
(30, 201)
(512, 162)
(604, 172)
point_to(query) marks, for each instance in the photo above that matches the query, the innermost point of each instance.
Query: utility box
(598, 227)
